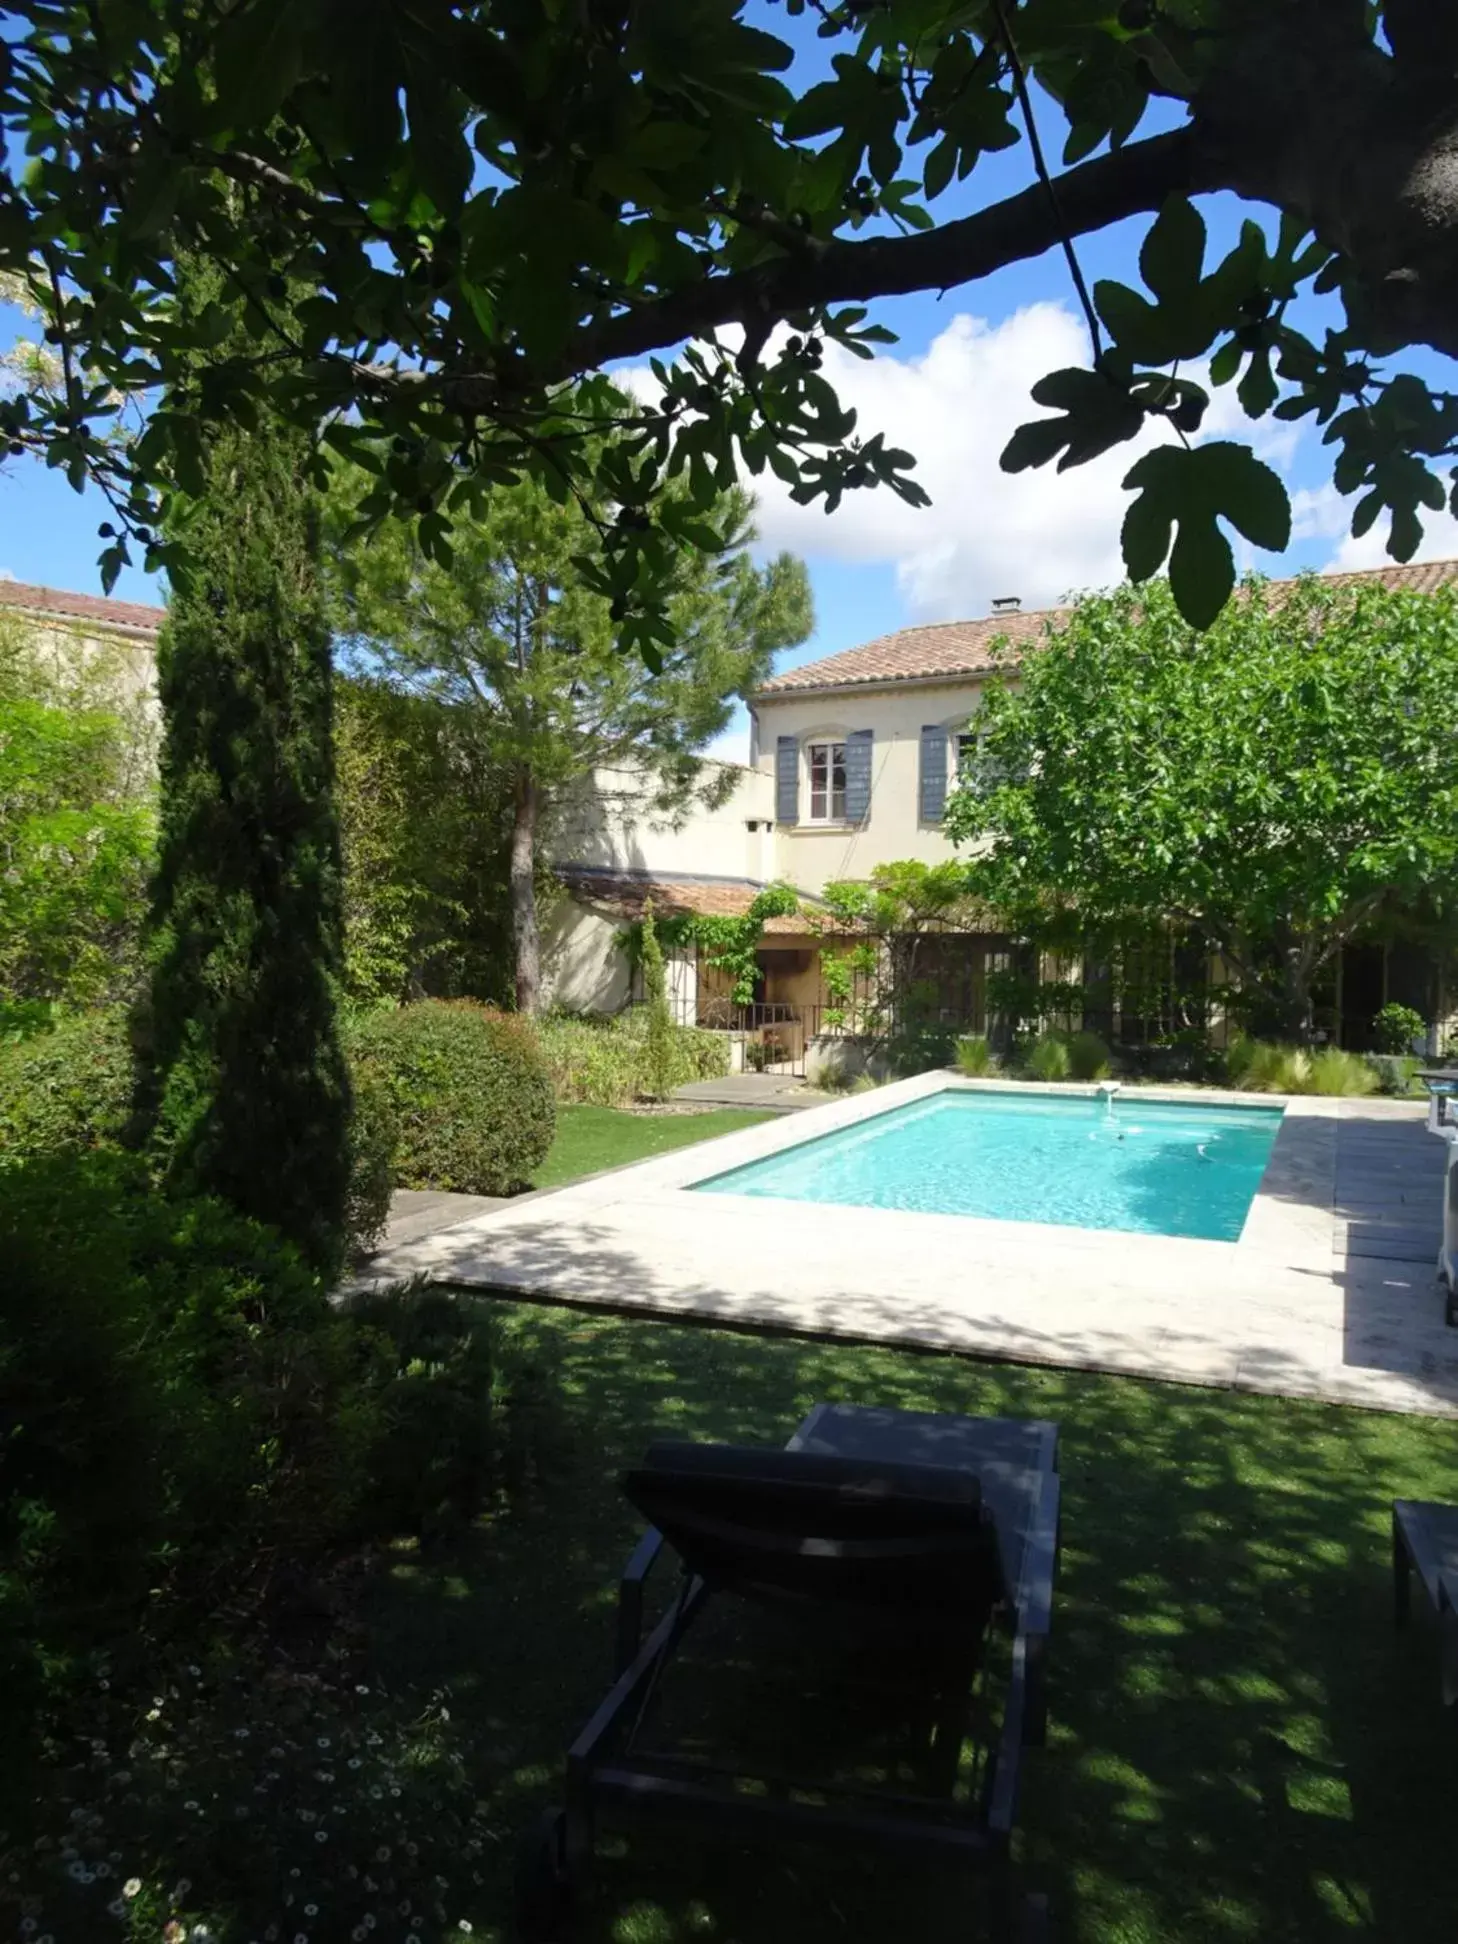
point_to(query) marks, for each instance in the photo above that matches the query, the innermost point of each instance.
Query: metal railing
(777, 1034)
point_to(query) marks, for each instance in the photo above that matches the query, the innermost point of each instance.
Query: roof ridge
(80, 607)
(892, 657)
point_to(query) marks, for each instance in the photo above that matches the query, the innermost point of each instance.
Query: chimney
(1007, 603)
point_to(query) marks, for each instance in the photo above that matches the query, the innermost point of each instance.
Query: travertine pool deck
(1330, 1291)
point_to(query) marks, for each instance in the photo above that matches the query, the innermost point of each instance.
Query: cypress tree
(244, 1089)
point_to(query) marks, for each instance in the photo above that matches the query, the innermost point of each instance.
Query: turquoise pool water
(1152, 1167)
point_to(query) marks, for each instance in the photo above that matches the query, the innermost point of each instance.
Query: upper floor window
(966, 744)
(827, 782)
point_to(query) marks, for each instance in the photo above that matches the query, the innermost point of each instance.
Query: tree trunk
(1295, 994)
(525, 939)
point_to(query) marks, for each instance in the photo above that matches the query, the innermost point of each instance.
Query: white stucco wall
(612, 824)
(809, 855)
(584, 968)
(95, 666)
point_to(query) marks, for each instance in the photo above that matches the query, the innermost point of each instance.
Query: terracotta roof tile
(626, 892)
(80, 607)
(946, 648)
(951, 648)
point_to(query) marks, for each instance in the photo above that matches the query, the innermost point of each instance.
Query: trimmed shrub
(70, 1089)
(604, 1062)
(1396, 1027)
(1396, 1073)
(1049, 1059)
(374, 1140)
(471, 1090)
(975, 1056)
(67, 1089)
(1088, 1057)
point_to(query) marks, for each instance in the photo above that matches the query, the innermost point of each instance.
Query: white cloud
(1439, 542)
(1322, 513)
(1319, 513)
(1039, 535)
(7, 574)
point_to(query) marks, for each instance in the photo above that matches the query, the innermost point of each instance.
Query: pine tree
(516, 638)
(245, 1090)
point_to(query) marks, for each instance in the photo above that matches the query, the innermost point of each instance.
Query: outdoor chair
(1425, 1541)
(825, 1671)
(1448, 1623)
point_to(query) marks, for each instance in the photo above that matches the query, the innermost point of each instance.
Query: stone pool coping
(1288, 1308)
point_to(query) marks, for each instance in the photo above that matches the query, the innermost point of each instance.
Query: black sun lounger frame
(916, 1505)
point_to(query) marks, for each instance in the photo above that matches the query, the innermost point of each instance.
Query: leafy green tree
(516, 638)
(74, 854)
(245, 1090)
(1276, 785)
(76, 833)
(663, 174)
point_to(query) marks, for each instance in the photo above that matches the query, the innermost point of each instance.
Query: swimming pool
(1152, 1167)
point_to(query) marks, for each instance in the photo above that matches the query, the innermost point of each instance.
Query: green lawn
(1241, 1749)
(590, 1138)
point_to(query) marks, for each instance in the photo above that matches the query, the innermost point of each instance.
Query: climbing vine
(730, 945)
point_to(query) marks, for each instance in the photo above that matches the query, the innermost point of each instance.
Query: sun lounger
(826, 1667)
(1425, 1541)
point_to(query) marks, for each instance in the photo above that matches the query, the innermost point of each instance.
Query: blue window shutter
(858, 746)
(933, 773)
(787, 779)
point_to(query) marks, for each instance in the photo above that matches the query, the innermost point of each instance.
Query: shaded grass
(590, 1138)
(1241, 1748)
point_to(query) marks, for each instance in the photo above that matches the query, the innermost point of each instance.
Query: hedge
(67, 1089)
(70, 1090)
(471, 1091)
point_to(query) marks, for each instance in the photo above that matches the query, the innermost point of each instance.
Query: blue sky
(951, 390)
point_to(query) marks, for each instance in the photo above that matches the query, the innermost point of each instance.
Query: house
(117, 636)
(863, 746)
(851, 759)
(616, 851)
(96, 652)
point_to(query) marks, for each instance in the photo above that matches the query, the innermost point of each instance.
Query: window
(975, 769)
(827, 782)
